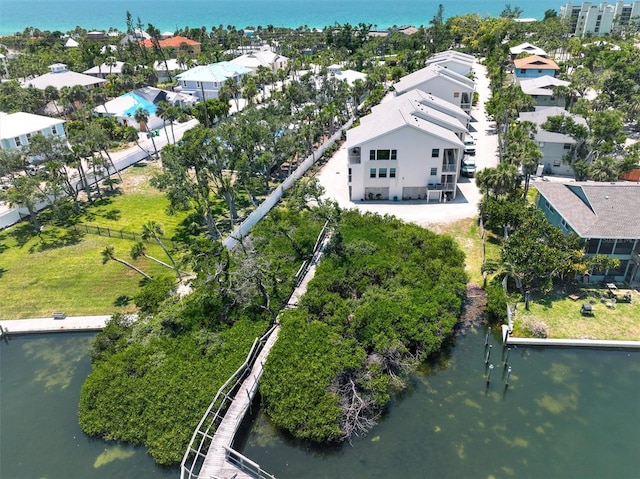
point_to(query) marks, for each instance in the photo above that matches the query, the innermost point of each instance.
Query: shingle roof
(535, 61)
(105, 68)
(542, 86)
(597, 210)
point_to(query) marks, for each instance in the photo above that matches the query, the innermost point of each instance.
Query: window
(29, 135)
(382, 173)
(556, 162)
(523, 71)
(17, 140)
(349, 175)
(198, 84)
(567, 146)
(435, 152)
(592, 246)
(563, 222)
(372, 172)
(394, 154)
(606, 246)
(383, 154)
(372, 155)
(624, 246)
(434, 172)
(392, 172)
(541, 144)
(456, 94)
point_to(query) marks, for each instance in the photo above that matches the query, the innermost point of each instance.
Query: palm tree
(142, 117)
(153, 230)
(139, 249)
(172, 115)
(162, 108)
(51, 94)
(109, 254)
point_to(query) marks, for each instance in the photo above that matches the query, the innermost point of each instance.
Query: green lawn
(467, 233)
(564, 320)
(62, 270)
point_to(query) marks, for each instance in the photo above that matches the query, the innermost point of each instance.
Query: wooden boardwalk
(221, 461)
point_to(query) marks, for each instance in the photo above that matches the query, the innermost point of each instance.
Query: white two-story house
(441, 82)
(461, 63)
(404, 151)
(16, 129)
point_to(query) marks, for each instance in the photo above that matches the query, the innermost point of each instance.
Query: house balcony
(449, 168)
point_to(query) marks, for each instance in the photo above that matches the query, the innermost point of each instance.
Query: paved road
(333, 175)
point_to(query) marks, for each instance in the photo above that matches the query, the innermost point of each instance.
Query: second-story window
(17, 140)
(435, 152)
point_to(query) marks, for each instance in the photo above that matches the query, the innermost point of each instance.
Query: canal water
(567, 413)
(40, 380)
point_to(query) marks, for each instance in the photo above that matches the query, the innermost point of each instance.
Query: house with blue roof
(204, 81)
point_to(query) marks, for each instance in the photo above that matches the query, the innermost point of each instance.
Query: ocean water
(167, 15)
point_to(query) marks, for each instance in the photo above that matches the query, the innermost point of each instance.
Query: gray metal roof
(427, 74)
(597, 210)
(541, 115)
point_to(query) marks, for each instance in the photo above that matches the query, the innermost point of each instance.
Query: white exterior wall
(446, 90)
(10, 143)
(413, 164)
(552, 154)
(455, 66)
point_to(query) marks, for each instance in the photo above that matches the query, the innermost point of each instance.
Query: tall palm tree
(139, 249)
(142, 117)
(109, 254)
(51, 94)
(153, 230)
(162, 109)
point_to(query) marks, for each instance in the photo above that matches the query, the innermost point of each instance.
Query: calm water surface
(64, 15)
(40, 380)
(568, 413)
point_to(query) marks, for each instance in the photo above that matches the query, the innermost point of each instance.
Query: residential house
(71, 43)
(598, 19)
(263, 57)
(204, 81)
(441, 82)
(404, 150)
(16, 129)
(554, 146)
(458, 62)
(136, 36)
(435, 103)
(60, 77)
(350, 76)
(605, 216)
(124, 107)
(542, 90)
(526, 48)
(95, 36)
(174, 66)
(105, 69)
(534, 66)
(178, 44)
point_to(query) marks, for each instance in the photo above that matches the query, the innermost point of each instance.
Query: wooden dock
(218, 427)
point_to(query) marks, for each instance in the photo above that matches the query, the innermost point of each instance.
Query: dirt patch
(473, 309)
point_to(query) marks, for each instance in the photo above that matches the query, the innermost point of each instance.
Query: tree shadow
(122, 300)
(113, 215)
(56, 238)
(22, 233)
(2, 271)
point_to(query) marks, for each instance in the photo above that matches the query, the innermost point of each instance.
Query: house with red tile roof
(178, 43)
(534, 66)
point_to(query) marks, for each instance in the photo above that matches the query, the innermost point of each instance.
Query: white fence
(243, 229)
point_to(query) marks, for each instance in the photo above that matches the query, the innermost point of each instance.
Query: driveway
(333, 176)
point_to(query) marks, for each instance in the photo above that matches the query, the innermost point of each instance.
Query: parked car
(468, 167)
(470, 146)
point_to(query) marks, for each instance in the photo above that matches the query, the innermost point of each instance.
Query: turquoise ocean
(167, 15)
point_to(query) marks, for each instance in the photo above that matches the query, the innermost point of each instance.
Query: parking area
(333, 176)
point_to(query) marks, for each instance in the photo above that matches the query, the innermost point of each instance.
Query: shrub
(496, 303)
(535, 327)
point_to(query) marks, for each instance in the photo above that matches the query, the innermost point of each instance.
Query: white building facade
(598, 19)
(16, 129)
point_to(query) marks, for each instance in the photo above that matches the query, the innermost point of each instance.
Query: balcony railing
(451, 168)
(449, 186)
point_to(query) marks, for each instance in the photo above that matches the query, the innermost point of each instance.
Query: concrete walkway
(50, 325)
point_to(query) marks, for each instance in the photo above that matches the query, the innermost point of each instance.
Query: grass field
(62, 270)
(564, 320)
(467, 233)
